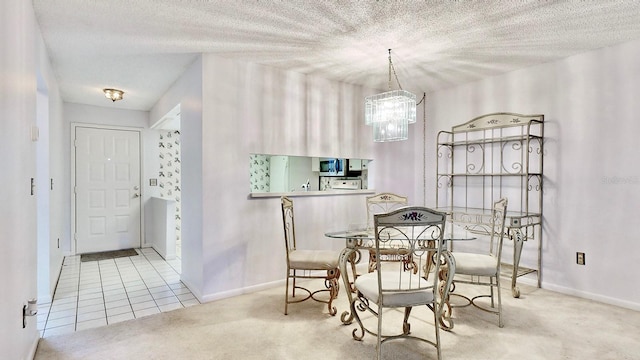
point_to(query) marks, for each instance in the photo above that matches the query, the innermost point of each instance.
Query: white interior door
(107, 189)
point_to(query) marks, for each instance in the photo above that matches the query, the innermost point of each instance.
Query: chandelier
(391, 112)
(113, 94)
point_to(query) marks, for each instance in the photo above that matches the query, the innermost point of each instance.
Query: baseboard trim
(194, 290)
(577, 293)
(241, 291)
(591, 296)
(34, 347)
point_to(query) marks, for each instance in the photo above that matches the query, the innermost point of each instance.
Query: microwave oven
(332, 167)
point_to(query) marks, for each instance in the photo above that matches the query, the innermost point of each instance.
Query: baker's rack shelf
(492, 156)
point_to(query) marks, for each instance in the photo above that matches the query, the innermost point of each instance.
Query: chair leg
(293, 290)
(493, 304)
(437, 327)
(334, 287)
(286, 295)
(406, 327)
(500, 322)
(352, 306)
(379, 337)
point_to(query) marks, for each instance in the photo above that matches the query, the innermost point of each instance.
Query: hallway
(99, 293)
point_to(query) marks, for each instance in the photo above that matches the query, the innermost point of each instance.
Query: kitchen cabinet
(355, 164)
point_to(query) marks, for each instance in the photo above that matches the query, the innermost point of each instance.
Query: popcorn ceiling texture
(142, 46)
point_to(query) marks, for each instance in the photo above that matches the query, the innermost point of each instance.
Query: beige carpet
(539, 325)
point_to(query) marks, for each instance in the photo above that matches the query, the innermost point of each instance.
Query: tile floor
(99, 293)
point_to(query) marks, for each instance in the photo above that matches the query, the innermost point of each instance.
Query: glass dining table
(362, 239)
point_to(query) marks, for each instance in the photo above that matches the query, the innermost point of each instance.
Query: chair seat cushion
(475, 264)
(313, 259)
(408, 293)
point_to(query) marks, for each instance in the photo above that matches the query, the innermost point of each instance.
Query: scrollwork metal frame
(331, 280)
(491, 148)
(423, 241)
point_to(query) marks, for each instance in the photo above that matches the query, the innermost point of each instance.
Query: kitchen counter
(312, 193)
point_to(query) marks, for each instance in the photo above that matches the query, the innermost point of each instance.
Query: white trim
(579, 293)
(194, 290)
(591, 296)
(34, 347)
(574, 292)
(139, 130)
(240, 291)
(170, 119)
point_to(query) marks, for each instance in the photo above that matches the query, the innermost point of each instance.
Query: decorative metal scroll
(496, 120)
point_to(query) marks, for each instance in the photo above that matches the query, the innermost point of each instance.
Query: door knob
(136, 187)
(136, 195)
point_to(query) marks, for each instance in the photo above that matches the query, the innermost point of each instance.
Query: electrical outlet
(580, 258)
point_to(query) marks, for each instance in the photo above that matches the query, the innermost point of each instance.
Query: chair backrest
(383, 203)
(416, 232)
(498, 216)
(288, 223)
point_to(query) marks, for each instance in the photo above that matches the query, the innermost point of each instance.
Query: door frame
(139, 130)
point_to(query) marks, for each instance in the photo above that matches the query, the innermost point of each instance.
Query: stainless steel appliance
(343, 184)
(332, 167)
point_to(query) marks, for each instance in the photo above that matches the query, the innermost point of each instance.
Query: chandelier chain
(392, 68)
(424, 147)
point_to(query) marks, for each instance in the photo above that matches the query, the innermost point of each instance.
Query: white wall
(50, 167)
(592, 179)
(45, 289)
(19, 60)
(249, 108)
(187, 91)
(161, 227)
(233, 244)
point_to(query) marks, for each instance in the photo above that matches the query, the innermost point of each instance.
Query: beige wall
(592, 177)
(248, 108)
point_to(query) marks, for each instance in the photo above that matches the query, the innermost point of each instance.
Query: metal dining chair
(415, 232)
(382, 203)
(483, 269)
(307, 264)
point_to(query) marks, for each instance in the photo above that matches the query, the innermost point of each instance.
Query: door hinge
(33, 186)
(75, 142)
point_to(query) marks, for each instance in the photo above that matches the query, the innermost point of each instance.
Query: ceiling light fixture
(113, 94)
(391, 112)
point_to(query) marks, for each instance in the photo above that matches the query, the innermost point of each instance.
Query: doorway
(106, 189)
(170, 168)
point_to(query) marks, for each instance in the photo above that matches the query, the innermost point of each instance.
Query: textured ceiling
(142, 46)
